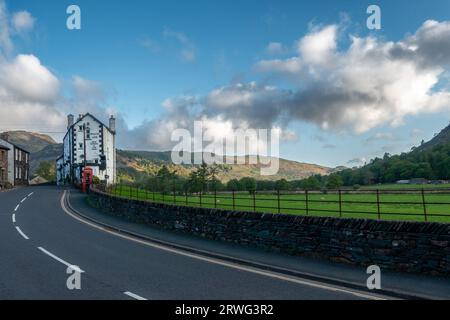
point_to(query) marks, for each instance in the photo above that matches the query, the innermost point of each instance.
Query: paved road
(38, 239)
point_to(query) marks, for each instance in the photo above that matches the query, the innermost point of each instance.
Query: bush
(95, 180)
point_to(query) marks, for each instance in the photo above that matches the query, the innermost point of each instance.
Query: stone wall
(403, 246)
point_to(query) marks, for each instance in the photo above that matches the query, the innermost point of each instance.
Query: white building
(87, 143)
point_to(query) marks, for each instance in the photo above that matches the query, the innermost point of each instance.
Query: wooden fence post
(174, 195)
(306, 202)
(424, 205)
(340, 203)
(278, 198)
(378, 204)
(234, 202)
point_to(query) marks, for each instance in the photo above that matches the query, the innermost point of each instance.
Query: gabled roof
(4, 147)
(88, 114)
(15, 146)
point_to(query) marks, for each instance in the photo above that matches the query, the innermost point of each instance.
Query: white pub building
(88, 143)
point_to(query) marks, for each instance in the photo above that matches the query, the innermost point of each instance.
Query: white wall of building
(10, 160)
(99, 140)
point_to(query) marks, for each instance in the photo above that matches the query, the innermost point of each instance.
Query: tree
(249, 184)
(213, 172)
(47, 171)
(282, 184)
(202, 175)
(334, 181)
(195, 184)
(311, 183)
(213, 181)
(164, 180)
(234, 185)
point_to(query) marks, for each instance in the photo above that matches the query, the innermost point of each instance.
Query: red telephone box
(88, 175)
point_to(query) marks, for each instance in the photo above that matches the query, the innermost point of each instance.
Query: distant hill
(41, 147)
(49, 153)
(431, 160)
(137, 164)
(30, 141)
(144, 162)
(440, 138)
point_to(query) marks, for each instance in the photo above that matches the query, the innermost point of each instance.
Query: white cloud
(29, 96)
(22, 21)
(6, 45)
(19, 23)
(188, 51)
(371, 83)
(275, 48)
(27, 79)
(357, 161)
(319, 46)
(87, 90)
(291, 65)
(381, 136)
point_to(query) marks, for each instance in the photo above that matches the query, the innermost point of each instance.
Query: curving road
(39, 239)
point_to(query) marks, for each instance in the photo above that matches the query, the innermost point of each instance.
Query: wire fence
(404, 204)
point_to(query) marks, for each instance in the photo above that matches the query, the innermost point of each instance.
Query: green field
(394, 186)
(393, 205)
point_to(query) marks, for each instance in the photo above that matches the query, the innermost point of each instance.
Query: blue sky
(143, 52)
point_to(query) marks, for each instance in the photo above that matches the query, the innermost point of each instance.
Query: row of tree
(431, 164)
(205, 179)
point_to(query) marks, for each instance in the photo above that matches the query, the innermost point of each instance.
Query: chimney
(112, 124)
(70, 120)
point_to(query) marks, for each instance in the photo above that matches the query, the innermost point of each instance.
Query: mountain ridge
(442, 137)
(135, 164)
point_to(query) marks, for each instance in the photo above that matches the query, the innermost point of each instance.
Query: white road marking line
(14, 218)
(30, 194)
(23, 200)
(17, 207)
(22, 234)
(134, 296)
(269, 274)
(60, 260)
